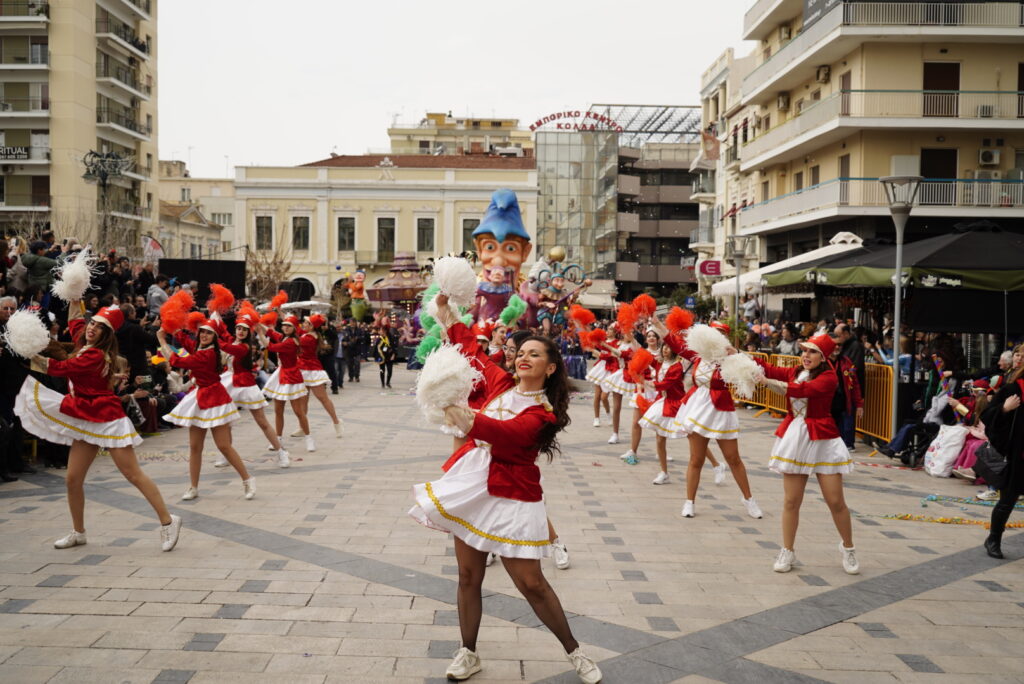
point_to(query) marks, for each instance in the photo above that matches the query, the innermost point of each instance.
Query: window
(346, 233)
(186, 194)
(223, 219)
(385, 239)
(424, 235)
(764, 193)
(816, 176)
(468, 226)
(798, 181)
(264, 232)
(300, 232)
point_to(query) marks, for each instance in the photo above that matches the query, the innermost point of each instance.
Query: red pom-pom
(317, 320)
(626, 317)
(645, 304)
(583, 317)
(194, 320)
(269, 319)
(280, 298)
(598, 336)
(642, 403)
(641, 361)
(678, 319)
(174, 312)
(584, 338)
(221, 299)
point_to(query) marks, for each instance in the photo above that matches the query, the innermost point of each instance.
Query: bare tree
(266, 268)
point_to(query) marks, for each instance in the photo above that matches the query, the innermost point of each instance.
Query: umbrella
(798, 273)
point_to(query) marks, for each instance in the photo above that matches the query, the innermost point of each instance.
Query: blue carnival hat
(503, 217)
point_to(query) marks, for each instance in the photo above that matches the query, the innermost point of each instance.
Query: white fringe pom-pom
(26, 335)
(709, 344)
(743, 373)
(456, 279)
(447, 378)
(73, 278)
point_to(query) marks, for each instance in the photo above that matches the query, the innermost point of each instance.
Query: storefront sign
(13, 153)
(576, 120)
(816, 9)
(711, 268)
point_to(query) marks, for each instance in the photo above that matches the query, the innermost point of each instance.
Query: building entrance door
(941, 86)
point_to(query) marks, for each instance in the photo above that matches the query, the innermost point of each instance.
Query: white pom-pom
(743, 373)
(26, 335)
(456, 279)
(74, 275)
(447, 378)
(709, 344)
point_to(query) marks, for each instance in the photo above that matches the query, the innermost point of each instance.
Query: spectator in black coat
(134, 342)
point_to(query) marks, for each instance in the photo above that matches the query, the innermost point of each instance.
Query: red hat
(291, 320)
(316, 320)
(213, 325)
(823, 344)
(246, 320)
(483, 330)
(111, 316)
(721, 327)
(981, 385)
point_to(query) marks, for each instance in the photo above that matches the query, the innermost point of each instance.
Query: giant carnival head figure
(501, 240)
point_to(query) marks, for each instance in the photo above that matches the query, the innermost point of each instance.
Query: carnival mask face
(509, 253)
(359, 276)
(558, 282)
(496, 276)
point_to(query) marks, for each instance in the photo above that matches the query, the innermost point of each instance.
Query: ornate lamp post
(101, 168)
(738, 246)
(901, 193)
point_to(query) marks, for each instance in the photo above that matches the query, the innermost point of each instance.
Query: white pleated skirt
(615, 382)
(648, 394)
(315, 378)
(38, 407)
(662, 425)
(275, 390)
(246, 398)
(460, 504)
(597, 374)
(795, 453)
(187, 413)
(699, 415)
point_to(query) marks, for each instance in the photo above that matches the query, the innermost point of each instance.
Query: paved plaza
(323, 577)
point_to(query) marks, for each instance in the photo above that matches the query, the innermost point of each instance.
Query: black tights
(1008, 497)
(385, 372)
(530, 582)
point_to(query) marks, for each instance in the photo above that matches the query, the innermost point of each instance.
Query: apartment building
(78, 76)
(443, 134)
(845, 92)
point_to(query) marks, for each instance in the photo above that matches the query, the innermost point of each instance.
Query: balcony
(25, 59)
(124, 78)
(627, 222)
(123, 209)
(667, 228)
(629, 185)
(732, 155)
(32, 202)
(22, 14)
(122, 36)
(703, 239)
(122, 122)
(142, 8)
(664, 194)
(848, 111)
(849, 24)
(18, 107)
(844, 197)
(765, 15)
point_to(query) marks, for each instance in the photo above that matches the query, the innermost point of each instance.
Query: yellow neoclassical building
(330, 217)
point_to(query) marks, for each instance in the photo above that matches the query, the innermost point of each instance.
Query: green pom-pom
(430, 293)
(426, 320)
(513, 311)
(434, 331)
(426, 347)
(467, 319)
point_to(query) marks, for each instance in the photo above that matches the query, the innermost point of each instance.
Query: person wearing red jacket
(240, 382)
(661, 416)
(607, 363)
(313, 374)
(89, 417)
(808, 442)
(490, 497)
(643, 394)
(207, 407)
(619, 383)
(286, 383)
(846, 370)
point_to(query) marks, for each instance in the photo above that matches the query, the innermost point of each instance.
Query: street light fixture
(738, 247)
(901, 193)
(101, 168)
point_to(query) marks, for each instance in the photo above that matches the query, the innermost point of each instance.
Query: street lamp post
(101, 168)
(739, 249)
(901, 193)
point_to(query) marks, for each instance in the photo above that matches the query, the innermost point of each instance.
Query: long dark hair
(216, 351)
(556, 387)
(247, 360)
(106, 342)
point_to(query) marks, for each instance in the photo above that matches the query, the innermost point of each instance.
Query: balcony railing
(123, 75)
(909, 104)
(15, 105)
(24, 8)
(704, 185)
(143, 5)
(124, 32)
(702, 235)
(124, 207)
(868, 192)
(732, 154)
(8, 201)
(106, 116)
(34, 56)
(751, 17)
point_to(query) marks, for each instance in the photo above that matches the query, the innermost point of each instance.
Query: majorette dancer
(710, 414)
(240, 382)
(286, 383)
(208, 406)
(661, 416)
(313, 374)
(490, 497)
(607, 363)
(808, 442)
(644, 394)
(89, 417)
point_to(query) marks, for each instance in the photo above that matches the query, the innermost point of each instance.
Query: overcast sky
(285, 83)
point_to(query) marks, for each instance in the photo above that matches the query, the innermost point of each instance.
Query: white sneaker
(561, 555)
(220, 462)
(720, 473)
(597, 422)
(169, 533)
(190, 493)
(753, 510)
(662, 478)
(491, 557)
(586, 669)
(850, 564)
(614, 439)
(628, 455)
(338, 429)
(283, 459)
(250, 487)
(988, 495)
(73, 539)
(785, 561)
(297, 432)
(688, 509)
(669, 458)
(310, 444)
(271, 447)
(465, 665)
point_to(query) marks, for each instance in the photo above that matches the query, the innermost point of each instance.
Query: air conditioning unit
(783, 101)
(823, 73)
(989, 156)
(987, 174)
(986, 111)
(785, 33)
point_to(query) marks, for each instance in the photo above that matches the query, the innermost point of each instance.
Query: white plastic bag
(944, 449)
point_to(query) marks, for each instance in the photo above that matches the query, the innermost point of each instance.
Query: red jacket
(242, 374)
(459, 333)
(287, 350)
(671, 389)
(818, 393)
(210, 393)
(308, 360)
(851, 387)
(611, 362)
(627, 355)
(89, 397)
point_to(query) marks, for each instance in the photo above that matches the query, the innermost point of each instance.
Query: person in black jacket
(133, 341)
(1004, 427)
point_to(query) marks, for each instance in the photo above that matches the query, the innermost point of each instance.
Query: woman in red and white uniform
(286, 383)
(490, 497)
(619, 383)
(313, 374)
(711, 415)
(89, 417)
(643, 393)
(606, 365)
(661, 416)
(240, 382)
(808, 443)
(208, 407)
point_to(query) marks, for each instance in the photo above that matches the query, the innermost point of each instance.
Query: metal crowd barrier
(877, 392)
